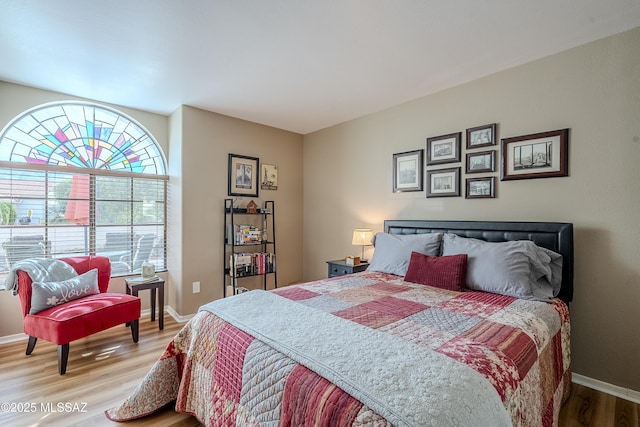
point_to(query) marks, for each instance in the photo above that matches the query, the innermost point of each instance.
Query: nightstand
(340, 268)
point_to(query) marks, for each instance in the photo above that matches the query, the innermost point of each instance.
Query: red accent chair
(81, 317)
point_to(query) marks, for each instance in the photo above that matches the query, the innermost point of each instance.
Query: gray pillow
(49, 294)
(393, 251)
(551, 267)
(519, 268)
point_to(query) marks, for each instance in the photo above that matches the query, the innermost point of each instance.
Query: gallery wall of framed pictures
(481, 159)
(537, 155)
(246, 174)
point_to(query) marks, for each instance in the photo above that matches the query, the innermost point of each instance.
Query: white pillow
(393, 251)
(519, 268)
(49, 294)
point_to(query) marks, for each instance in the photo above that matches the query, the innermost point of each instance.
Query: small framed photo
(443, 182)
(268, 177)
(407, 171)
(481, 136)
(483, 161)
(539, 155)
(243, 175)
(481, 188)
(443, 149)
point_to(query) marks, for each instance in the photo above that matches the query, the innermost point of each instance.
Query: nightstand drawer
(340, 268)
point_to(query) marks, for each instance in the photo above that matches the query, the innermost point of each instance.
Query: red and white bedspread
(226, 376)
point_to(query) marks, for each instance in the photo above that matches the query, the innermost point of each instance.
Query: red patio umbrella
(77, 210)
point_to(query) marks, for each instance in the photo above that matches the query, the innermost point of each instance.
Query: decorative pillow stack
(393, 251)
(50, 294)
(519, 268)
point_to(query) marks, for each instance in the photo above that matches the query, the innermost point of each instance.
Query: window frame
(89, 128)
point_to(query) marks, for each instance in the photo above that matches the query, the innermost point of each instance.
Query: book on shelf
(141, 279)
(244, 235)
(252, 263)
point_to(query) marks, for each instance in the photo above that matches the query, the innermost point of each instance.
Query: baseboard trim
(8, 339)
(614, 390)
(171, 312)
(178, 318)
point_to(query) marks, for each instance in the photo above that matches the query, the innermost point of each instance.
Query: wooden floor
(588, 407)
(102, 371)
(104, 368)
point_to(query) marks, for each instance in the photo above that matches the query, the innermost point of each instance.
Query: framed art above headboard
(556, 236)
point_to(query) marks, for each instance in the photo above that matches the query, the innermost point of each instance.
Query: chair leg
(63, 356)
(31, 345)
(135, 329)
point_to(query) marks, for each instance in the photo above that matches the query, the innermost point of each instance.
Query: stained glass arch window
(81, 135)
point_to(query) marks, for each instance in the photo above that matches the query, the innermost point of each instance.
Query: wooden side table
(158, 284)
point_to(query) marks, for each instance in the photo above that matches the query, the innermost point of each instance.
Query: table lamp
(362, 237)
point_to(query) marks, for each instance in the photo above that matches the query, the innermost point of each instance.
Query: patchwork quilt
(225, 375)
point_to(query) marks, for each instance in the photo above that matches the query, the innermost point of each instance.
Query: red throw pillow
(446, 272)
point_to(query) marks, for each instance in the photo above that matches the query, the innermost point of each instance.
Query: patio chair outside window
(118, 246)
(143, 247)
(19, 248)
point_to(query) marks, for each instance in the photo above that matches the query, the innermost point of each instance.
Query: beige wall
(206, 140)
(173, 293)
(595, 91)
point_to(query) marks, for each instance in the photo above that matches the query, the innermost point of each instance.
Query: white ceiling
(299, 65)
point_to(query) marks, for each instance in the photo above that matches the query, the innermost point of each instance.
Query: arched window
(80, 178)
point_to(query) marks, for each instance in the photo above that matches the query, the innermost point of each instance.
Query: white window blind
(56, 213)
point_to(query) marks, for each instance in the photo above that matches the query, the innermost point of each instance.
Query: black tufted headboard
(557, 236)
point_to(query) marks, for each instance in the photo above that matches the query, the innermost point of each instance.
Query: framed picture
(443, 182)
(443, 149)
(268, 177)
(539, 155)
(483, 161)
(481, 188)
(407, 171)
(243, 175)
(481, 136)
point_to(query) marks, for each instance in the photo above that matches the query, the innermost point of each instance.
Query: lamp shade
(362, 237)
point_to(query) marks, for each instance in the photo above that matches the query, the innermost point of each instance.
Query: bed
(398, 344)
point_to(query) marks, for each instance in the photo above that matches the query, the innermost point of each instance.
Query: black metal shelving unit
(232, 248)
